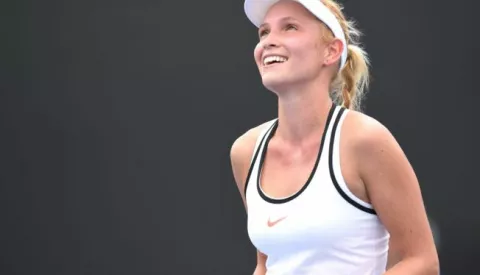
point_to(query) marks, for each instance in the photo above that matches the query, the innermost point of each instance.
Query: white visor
(257, 9)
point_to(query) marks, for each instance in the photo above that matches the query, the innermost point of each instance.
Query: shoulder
(376, 152)
(367, 134)
(242, 150)
(393, 189)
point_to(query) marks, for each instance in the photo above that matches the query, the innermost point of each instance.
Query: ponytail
(348, 87)
(354, 78)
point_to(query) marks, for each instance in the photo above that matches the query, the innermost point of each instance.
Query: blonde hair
(349, 85)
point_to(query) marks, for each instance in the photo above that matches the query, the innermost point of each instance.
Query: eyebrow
(286, 18)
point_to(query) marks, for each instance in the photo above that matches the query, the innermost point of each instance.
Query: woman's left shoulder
(367, 133)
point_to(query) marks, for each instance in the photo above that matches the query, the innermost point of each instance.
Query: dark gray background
(118, 117)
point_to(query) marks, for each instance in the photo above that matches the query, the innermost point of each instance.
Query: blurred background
(117, 119)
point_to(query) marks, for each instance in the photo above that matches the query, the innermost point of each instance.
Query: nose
(269, 45)
(270, 41)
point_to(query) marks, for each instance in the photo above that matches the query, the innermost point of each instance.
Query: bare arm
(260, 269)
(395, 193)
(240, 156)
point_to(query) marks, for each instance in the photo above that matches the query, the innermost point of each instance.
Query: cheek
(305, 50)
(319, 51)
(257, 52)
(309, 53)
(306, 56)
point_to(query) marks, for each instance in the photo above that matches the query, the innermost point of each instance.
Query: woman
(326, 188)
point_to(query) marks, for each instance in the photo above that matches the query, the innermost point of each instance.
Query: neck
(302, 112)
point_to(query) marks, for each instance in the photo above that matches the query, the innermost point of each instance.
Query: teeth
(270, 59)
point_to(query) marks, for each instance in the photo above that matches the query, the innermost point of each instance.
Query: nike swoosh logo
(273, 223)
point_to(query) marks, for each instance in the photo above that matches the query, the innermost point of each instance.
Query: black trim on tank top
(312, 173)
(252, 163)
(332, 173)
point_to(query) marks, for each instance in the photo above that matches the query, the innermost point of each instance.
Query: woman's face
(292, 48)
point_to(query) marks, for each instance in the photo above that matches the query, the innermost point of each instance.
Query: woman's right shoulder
(242, 150)
(244, 145)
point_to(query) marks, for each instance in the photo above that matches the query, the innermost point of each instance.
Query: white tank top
(321, 229)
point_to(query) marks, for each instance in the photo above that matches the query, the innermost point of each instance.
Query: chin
(274, 85)
(276, 82)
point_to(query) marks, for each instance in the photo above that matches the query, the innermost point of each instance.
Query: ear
(333, 52)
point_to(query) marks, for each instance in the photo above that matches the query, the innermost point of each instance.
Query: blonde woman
(327, 188)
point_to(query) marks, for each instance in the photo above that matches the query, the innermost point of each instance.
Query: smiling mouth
(272, 60)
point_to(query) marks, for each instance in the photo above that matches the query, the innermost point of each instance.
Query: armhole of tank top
(335, 167)
(256, 150)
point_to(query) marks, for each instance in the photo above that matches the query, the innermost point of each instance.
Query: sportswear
(323, 229)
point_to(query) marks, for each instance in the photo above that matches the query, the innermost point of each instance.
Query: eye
(289, 27)
(262, 33)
